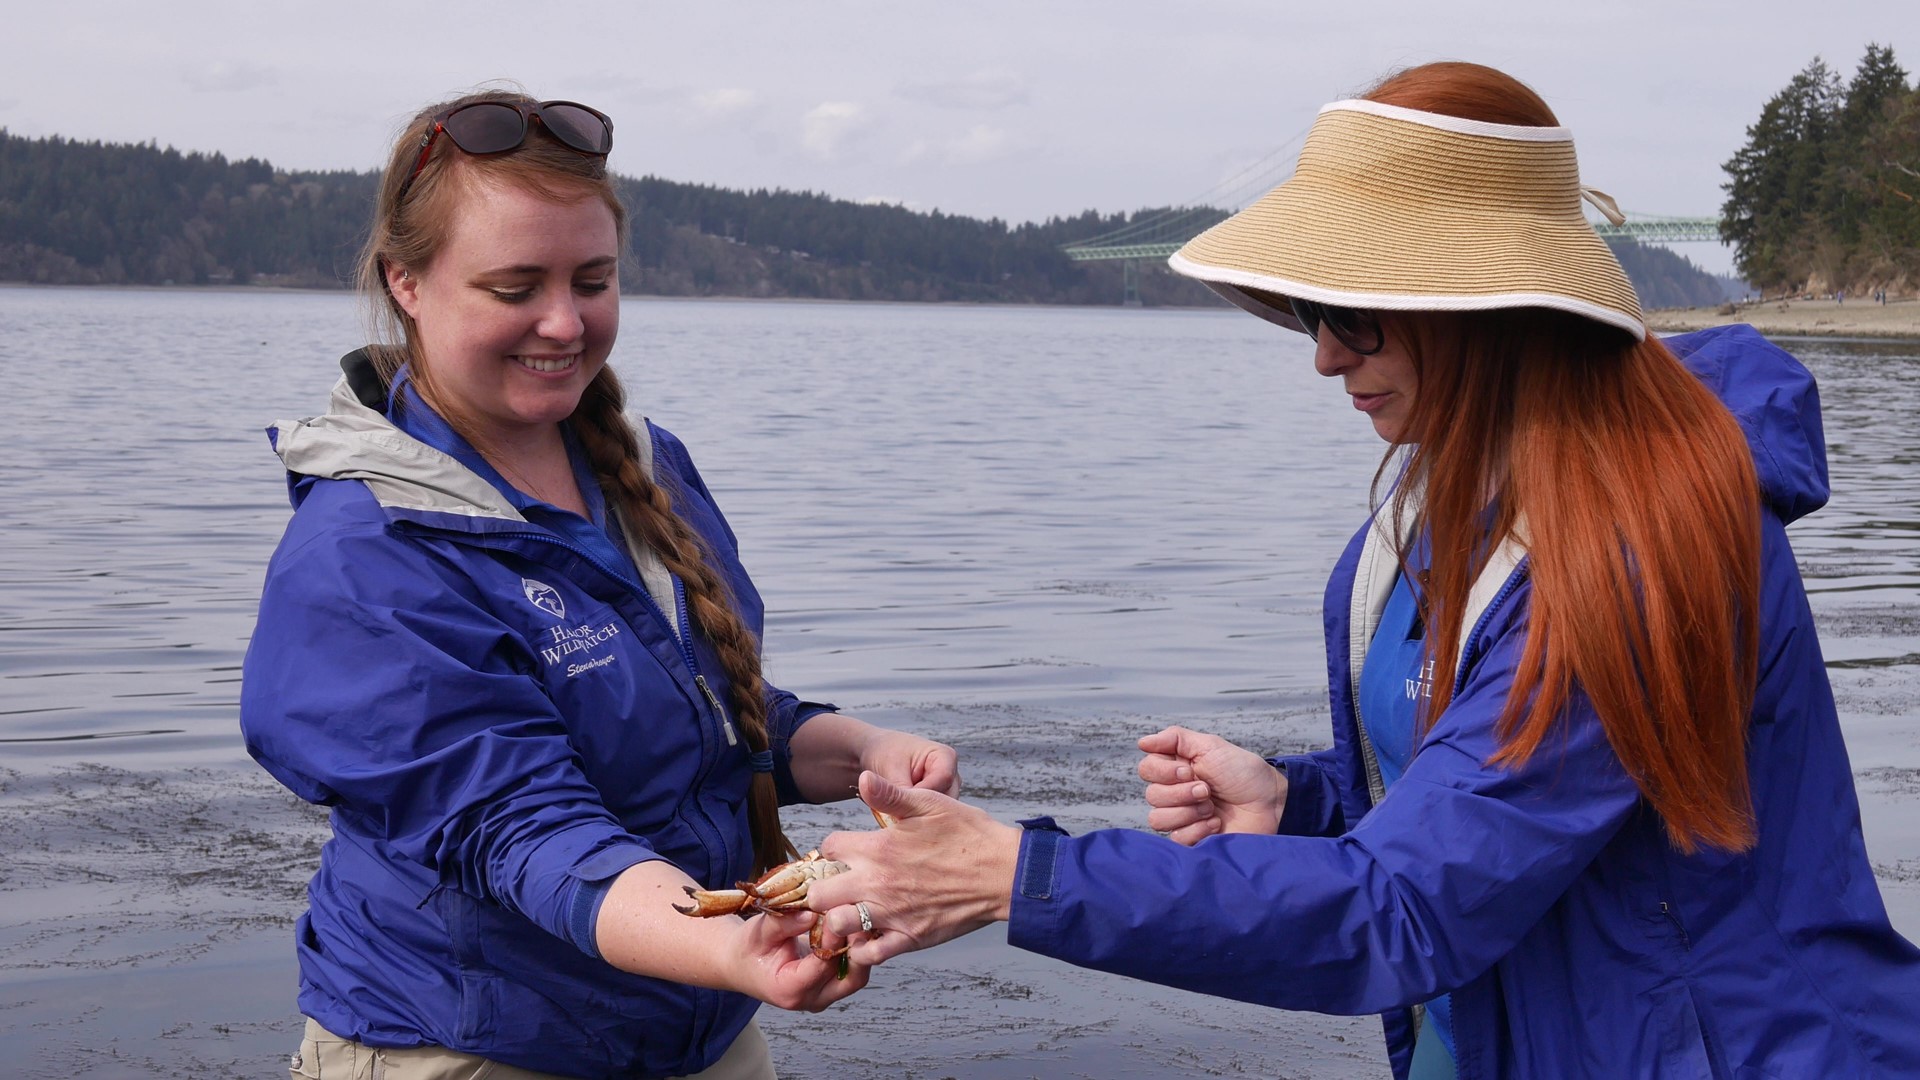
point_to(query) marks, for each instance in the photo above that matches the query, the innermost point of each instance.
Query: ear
(405, 287)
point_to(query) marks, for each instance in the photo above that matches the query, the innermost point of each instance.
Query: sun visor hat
(1395, 209)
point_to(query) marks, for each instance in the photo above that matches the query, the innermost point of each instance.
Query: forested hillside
(92, 213)
(1664, 279)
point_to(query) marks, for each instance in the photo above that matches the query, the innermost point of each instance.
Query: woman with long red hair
(1587, 811)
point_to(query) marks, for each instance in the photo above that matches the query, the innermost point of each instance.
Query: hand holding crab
(942, 870)
(782, 889)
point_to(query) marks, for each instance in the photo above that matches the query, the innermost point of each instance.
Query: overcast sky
(1017, 110)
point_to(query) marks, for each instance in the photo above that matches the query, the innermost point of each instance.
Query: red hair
(1634, 492)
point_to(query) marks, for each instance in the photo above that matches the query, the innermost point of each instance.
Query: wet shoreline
(1862, 318)
(129, 892)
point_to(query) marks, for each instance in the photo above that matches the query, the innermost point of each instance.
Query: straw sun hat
(1401, 210)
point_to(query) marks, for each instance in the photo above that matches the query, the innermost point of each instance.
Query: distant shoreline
(1894, 320)
(1036, 305)
(1801, 318)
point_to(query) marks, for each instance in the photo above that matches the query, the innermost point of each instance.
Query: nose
(1331, 358)
(560, 318)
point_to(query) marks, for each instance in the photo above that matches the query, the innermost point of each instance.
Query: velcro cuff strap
(1039, 849)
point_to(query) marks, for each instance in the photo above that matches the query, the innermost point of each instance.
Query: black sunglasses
(495, 127)
(1355, 328)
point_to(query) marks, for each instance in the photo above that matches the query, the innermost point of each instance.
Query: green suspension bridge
(1160, 235)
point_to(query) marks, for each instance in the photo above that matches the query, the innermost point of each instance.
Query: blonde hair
(411, 223)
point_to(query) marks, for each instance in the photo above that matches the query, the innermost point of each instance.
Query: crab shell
(783, 888)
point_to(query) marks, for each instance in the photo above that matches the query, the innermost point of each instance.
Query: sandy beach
(1800, 318)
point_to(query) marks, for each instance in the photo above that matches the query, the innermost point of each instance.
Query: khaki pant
(326, 1056)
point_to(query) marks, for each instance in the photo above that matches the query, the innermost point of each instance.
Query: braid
(646, 507)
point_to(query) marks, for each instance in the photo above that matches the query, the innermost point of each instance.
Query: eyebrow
(534, 268)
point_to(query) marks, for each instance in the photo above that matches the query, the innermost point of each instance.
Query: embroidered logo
(1421, 687)
(544, 597)
(567, 640)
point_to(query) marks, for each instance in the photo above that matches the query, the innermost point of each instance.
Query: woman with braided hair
(508, 640)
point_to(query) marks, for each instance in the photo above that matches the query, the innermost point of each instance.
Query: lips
(1369, 402)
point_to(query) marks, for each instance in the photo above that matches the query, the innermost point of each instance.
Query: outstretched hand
(639, 929)
(831, 750)
(942, 870)
(1200, 785)
(909, 759)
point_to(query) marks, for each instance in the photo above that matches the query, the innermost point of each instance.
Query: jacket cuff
(1304, 814)
(780, 741)
(583, 913)
(586, 889)
(1032, 914)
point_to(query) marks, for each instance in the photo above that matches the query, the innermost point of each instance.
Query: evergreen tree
(1773, 191)
(1827, 187)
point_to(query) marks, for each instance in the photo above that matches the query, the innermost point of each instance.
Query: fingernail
(1183, 773)
(1199, 791)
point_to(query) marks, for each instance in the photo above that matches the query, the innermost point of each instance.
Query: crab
(783, 888)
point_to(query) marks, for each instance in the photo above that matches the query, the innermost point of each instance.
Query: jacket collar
(404, 473)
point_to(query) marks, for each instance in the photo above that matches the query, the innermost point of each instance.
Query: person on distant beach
(507, 638)
(1587, 811)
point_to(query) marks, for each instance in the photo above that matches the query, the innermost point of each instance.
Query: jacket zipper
(1480, 624)
(726, 725)
(1667, 910)
(686, 648)
(686, 635)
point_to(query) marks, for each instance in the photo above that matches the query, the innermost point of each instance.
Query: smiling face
(518, 311)
(1382, 385)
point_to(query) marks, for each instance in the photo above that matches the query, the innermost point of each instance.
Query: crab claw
(710, 902)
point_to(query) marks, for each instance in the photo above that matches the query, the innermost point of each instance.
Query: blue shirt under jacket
(1573, 939)
(499, 716)
(1396, 678)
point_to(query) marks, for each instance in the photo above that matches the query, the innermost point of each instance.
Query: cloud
(725, 101)
(229, 77)
(992, 89)
(982, 143)
(978, 145)
(829, 127)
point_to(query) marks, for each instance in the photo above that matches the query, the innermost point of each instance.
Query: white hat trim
(1459, 124)
(1216, 275)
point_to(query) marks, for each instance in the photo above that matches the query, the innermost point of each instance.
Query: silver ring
(866, 917)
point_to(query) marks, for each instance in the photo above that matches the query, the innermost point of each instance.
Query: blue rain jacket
(499, 719)
(1575, 941)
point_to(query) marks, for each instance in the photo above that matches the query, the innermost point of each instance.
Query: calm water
(1034, 533)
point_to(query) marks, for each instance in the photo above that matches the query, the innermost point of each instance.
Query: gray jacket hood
(354, 442)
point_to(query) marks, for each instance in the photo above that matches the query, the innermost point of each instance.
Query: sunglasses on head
(1357, 329)
(495, 127)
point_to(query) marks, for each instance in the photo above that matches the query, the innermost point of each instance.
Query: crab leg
(817, 935)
